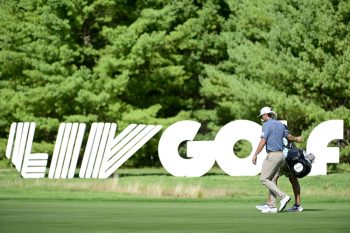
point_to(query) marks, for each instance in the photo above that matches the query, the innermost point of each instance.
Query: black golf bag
(295, 159)
(297, 163)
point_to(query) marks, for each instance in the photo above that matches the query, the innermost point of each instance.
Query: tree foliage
(160, 61)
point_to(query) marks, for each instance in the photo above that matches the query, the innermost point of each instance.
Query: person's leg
(271, 199)
(269, 170)
(296, 188)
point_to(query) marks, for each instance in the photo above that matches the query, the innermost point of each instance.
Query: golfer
(284, 170)
(272, 136)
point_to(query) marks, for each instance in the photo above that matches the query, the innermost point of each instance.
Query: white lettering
(19, 148)
(200, 154)
(105, 153)
(226, 139)
(318, 145)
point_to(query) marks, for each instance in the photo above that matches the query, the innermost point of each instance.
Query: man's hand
(298, 139)
(261, 145)
(254, 159)
(294, 139)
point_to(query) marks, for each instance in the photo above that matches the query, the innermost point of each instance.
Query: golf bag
(297, 163)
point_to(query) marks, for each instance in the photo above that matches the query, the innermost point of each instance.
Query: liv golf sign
(104, 152)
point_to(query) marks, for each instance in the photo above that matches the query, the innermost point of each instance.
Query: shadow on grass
(305, 210)
(313, 210)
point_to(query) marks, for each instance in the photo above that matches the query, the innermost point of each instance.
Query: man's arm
(261, 145)
(291, 138)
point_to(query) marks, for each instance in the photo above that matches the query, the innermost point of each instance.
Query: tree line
(161, 61)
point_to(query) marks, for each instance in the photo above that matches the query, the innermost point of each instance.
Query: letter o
(225, 140)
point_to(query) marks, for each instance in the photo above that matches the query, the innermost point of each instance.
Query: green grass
(150, 200)
(155, 183)
(167, 216)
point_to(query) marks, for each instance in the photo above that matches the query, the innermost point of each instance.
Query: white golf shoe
(283, 203)
(262, 207)
(269, 210)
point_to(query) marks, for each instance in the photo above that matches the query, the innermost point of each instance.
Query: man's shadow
(313, 210)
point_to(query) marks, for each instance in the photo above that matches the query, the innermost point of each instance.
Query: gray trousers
(269, 173)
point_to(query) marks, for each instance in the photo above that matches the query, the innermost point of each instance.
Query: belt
(273, 152)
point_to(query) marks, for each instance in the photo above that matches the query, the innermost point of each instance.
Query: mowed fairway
(149, 200)
(166, 216)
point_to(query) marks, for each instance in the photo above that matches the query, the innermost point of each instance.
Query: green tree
(161, 61)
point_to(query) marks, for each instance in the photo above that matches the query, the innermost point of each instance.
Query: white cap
(265, 110)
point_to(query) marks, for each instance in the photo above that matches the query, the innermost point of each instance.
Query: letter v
(103, 158)
(127, 143)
